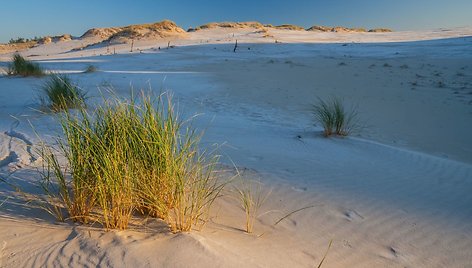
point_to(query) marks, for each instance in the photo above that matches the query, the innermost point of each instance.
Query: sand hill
(7, 48)
(169, 29)
(58, 38)
(163, 29)
(20, 46)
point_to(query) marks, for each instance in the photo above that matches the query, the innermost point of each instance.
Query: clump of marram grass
(334, 117)
(130, 157)
(59, 93)
(23, 67)
(251, 197)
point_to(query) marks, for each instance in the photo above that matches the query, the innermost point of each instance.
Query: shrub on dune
(59, 93)
(335, 118)
(130, 157)
(23, 67)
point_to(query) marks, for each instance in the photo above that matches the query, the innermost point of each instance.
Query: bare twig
(291, 213)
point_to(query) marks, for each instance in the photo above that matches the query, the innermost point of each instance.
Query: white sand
(395, 195)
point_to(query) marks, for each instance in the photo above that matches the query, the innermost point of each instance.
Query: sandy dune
(397, 194)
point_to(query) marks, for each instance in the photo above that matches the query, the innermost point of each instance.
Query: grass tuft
(130, 157)
(334, 117)
(252, 197)
(23, 67)
(90, 69)
(58, 93)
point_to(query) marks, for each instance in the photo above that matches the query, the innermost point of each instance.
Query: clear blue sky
(28, 18)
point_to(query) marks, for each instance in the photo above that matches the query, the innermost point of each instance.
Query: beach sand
(395, 194)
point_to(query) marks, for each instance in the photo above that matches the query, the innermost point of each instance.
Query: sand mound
(161, 29)
(64, 37)
(45, 40)
(59, 38)
(102, 33)
(7, 48)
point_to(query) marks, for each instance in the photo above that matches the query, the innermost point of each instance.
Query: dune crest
(162, 29)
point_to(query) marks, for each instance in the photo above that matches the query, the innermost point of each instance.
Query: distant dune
(229, 24)
(169, 29)
(339, 29)
(151, 31)
(258, 25)
(7, 48)
(59, 38)
(20, 46)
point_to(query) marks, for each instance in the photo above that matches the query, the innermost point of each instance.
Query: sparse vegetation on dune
(21, 40)
(247, 24)
(380, 30)
(339, 29)
(320, 28)
(251, 197)
(59, 93)
(24, 67)
(162, 29)
(258, 25)
(335, 118)
(91, 69)
(289, 27)
(130, 157)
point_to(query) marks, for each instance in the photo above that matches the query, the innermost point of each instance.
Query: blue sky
(28, 18)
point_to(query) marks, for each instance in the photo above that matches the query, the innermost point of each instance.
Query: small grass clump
(252, 197)
(23, 67)
(90, 69)
(59, 93)
(334, 117)
(127, 158)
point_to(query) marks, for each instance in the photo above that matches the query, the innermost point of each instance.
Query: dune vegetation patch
(335, 118)
(339, 29)
(128, 158)
(228, 24)
(24, 67)
(380, 30)
(289, 27)
(59, 93)
(90, 69)
(251, 196)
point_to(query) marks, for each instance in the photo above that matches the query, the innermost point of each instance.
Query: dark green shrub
(23, 67)
(58, 93)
